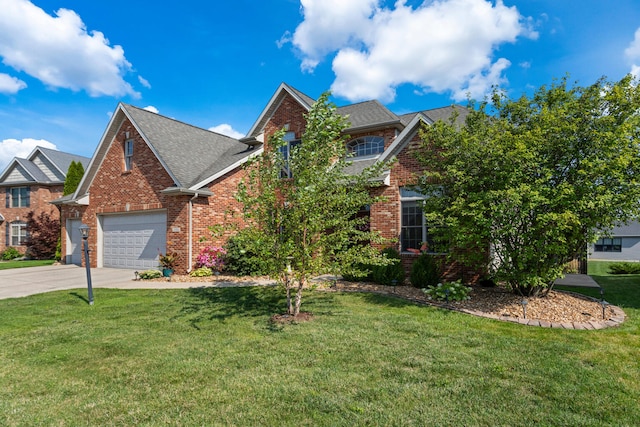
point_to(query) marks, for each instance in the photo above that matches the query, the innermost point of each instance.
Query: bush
(625, 268)
(150, 274)
(211, 257)
(201, 272)
(11, 253)
(242, 256)
(454, 291)
(387, 274)
(43, 232)
(352, 276)
(425, 272)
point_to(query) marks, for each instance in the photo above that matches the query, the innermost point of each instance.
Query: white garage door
(133, 241)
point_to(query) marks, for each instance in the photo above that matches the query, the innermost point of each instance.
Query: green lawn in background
(5, 265)
(211, 357)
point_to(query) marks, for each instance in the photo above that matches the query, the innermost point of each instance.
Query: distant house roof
(43, 166)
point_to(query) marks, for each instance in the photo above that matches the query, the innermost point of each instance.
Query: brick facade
(39, 198)
(385, 217)
(115, 190)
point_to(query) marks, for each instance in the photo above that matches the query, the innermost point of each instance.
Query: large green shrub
(389, 274)
(242, 256)
(425, 271)
(625, 268)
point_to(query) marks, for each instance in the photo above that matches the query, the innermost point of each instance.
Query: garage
(133, 240)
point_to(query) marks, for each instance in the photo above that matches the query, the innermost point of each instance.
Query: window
(291, 143)
(18, 233)
(608, 245)
(365, 146)
(128, 154)
(18, 197)
(414, 230)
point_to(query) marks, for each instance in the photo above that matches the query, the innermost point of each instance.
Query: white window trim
(21, 235)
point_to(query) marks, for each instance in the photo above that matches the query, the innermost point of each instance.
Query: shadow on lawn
(206, 303)
(622, 290)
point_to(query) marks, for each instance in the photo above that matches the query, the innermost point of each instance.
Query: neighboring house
(155, 184)
(621, 244)
(30, 184)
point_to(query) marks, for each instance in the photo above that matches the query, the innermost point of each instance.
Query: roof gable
(42, 166)
(253, 137)
(188, 154)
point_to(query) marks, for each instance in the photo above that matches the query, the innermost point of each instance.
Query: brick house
(154, 184)
(375, 135)
(30, 184)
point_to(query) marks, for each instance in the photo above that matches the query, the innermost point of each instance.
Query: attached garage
(133, 240)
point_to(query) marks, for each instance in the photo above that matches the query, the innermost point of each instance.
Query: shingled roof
(42, 166)
(368, 114)
(191, 154)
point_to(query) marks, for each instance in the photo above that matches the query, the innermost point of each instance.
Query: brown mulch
(557, 306)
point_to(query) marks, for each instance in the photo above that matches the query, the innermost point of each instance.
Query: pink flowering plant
(211, 257)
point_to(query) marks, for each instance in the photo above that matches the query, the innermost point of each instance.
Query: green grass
(211, 357)
(5, 265)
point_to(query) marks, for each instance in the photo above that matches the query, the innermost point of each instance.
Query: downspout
(190, 239)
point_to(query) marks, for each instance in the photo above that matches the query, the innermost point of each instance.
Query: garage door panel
(133, 241)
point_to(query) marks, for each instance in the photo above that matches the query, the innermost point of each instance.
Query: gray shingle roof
(63, 160)
(442, 113)
(368, 114)
(190, 153)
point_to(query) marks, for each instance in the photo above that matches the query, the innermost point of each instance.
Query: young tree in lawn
(305, 223)
(74, 176)
(537, 177)
(43, 232)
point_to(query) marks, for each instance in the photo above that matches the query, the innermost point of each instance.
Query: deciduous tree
(306, 223)
(536, 178)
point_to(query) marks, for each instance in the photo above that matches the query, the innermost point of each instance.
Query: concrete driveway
(20, 282)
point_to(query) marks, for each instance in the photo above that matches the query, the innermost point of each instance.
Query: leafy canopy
(308, 222)
(536, 178)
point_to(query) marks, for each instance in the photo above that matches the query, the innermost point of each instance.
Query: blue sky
(65, 64)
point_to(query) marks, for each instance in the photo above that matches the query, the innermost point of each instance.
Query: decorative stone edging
(615, 319)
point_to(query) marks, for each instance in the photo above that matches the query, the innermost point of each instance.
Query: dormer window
(128, 154)
(365, 146)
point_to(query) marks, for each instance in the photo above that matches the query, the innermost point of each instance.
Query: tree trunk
(298, 301)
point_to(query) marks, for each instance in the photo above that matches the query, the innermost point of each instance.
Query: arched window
(365, 146)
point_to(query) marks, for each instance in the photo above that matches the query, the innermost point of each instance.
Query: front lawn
(211, 357)
(5, 265)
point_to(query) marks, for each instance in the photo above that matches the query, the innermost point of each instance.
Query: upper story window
(365, 146)
(128, 154)
(291, 143)
(18, 197)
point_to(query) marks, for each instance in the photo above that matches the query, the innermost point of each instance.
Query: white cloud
(144, 82)
(59, 51)
(633, 54)
(151, 108)
(228, 130)
(10, 148)
(440, 46)
(10, 85)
